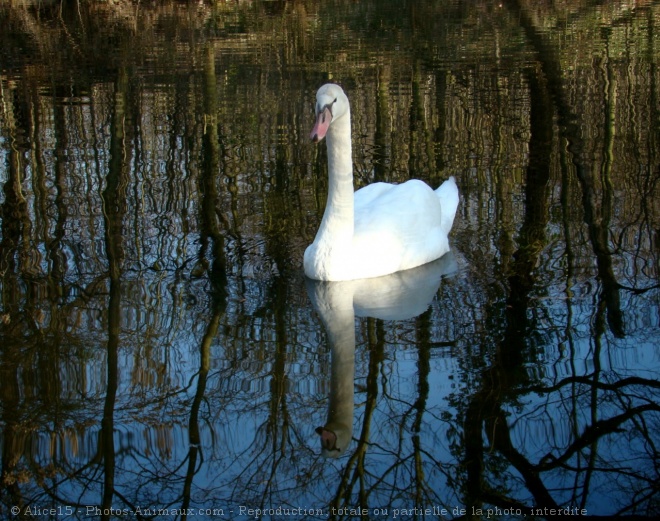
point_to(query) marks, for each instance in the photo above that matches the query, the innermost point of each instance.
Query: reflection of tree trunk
(532, 233)
(279, 419)
(485, 407)
(474, 451)
(12, 434)
(596, 375)
(114, 206)
(382, 133)
(210, 228)
(54, 245)
(193, 423)
(441, 111)
(107, 422)
(597, 221)
(419, 136)
(423, 372)
(14, 222)
(14, 217)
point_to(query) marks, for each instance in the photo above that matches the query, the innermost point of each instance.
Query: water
(161, 349)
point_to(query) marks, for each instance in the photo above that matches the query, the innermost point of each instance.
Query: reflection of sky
(163, 320)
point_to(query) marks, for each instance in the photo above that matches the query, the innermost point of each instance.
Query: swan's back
(398, 227)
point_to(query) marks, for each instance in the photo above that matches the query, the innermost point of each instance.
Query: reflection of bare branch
(256, 176)
(593, 432)
(606, 386)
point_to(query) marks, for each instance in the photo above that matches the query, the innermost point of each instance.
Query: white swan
(380, 229)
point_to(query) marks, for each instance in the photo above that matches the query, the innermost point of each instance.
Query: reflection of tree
(597, 216)
(587, 399)
(218, 273)
(215, 170)
(14, 219)
(277, 436)
(594, 457)
(114, 205)
(194, 436)
(505, 374)
(210, 227)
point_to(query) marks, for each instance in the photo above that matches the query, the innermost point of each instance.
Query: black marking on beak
(326, 106)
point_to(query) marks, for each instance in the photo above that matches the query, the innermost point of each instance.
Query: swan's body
(380, 229)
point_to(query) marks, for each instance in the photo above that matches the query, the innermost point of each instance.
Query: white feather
(382, 228)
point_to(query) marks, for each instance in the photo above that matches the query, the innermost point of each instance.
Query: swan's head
(331, 104)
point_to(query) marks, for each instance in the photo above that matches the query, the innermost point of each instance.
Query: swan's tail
(447, 192)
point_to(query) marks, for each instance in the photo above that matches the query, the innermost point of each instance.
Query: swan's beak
(321, 126)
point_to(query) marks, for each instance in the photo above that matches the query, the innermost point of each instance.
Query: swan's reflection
(399, 296)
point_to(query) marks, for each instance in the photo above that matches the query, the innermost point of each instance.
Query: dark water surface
(160, 347)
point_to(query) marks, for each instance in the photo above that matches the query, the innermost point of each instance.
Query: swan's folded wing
(401, 226)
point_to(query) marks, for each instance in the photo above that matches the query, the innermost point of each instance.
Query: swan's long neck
(339, 213)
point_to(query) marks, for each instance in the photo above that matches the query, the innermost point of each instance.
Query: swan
(381, 228)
